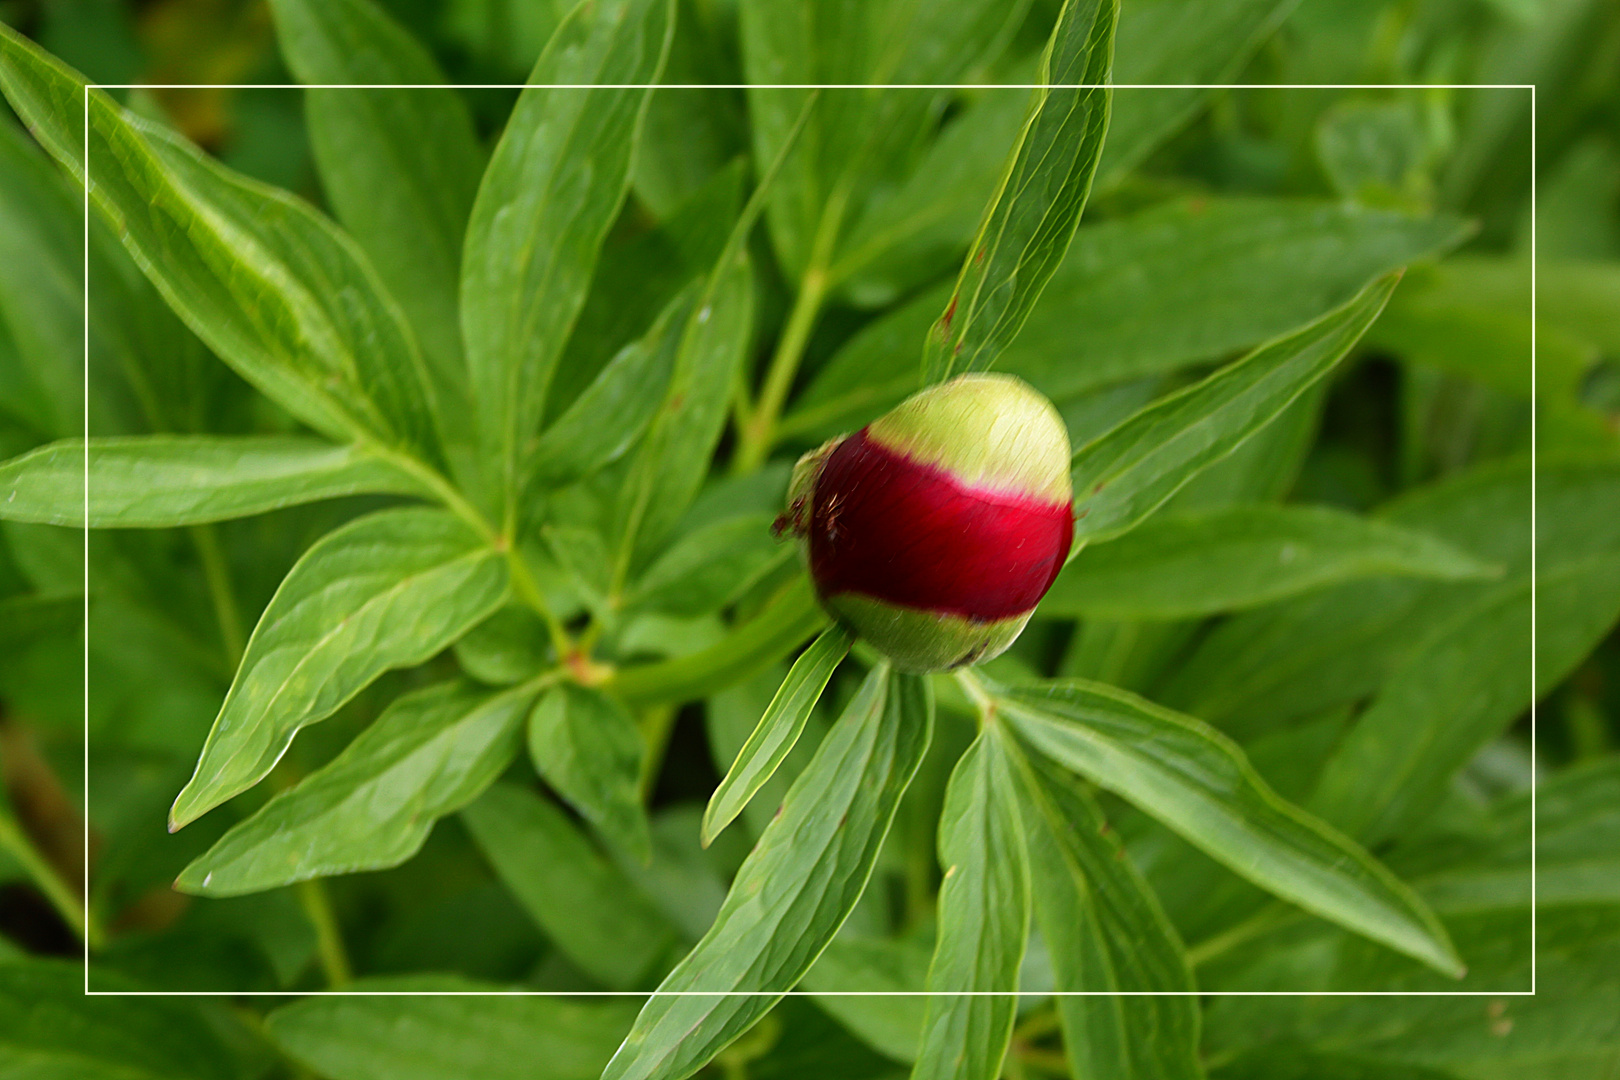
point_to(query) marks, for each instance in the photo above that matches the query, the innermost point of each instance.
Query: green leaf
(386, 591)
(855, 142)
(274, 289)
(508, 647)
(875, 988)
(1292, 1063)
(794, 890)
(637, 277)
(1104, 931)
(1459, 689)
(709, 567)
(909, 236)
(1182, 42)
(1031, 220)
(427, 1036)
(1263, 668)
(791, 616)
(675, 456)
(605, 420)
(1577, 848)
(584, 904)
(400, 167)
(154, 481)
(1188, 281)
(778, 730)
(1198, 783)
(49, 1030)
(589, 750)
(553, 186)
(1124, 475)
(984, 907)
(1200, 563)
(429, 754)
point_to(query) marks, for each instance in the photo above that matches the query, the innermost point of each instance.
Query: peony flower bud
(935, 530)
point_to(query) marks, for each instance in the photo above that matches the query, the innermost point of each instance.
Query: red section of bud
(889, 528)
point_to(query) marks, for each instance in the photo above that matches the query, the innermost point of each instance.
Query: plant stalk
(222, 591)
(44, 876)
(317, 907)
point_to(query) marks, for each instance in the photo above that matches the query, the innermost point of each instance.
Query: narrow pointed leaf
(680, 443)
(984, 907)
(429, 754)
(1198, 783)
(553, 186)
(1124, 475)
(613, 411)
(1176, 567)
(1031, 220)
(589, 750)
(400, 167)
(386, 591)
(153, 481)
(778, 730)
(794, 890)
(275, 289)
(587, 907)
(1105, 932)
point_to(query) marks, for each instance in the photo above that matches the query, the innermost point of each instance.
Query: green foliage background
(458, 574)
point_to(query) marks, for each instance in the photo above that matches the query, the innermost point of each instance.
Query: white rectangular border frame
(811, 86)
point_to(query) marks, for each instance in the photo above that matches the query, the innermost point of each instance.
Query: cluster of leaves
(487, 459)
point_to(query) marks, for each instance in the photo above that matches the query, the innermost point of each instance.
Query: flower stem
(44, 876)
(317, 907)
(222, 591)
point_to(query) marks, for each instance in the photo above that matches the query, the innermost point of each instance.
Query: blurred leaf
(429, 1037)
(674, 457)
(1375, 153)
(1105, 931)
(709, 567)
(1176, 566)
(386, 591)
(605, 420)
(984, 907)
(25, 620)
(1185, 42)
(272, 287)
(1292, 1063)
(910, 235)
(856, 140)
(1298, 657)
(795, 889)
(162, 480)
(1458, 689)
(400, 166)
(1199, 783)
(1123, 476)
(508, 647)
(1177, 284)
(1576, 839)
(429, 754)
(637, 278)
(876, 989)
(778, 730)
(1031, 220)
(49, 1029)
(791, 616)
(589, 750)
(586, 907)
(553, 186)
